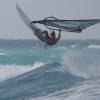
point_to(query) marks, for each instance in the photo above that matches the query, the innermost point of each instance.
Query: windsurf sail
(67, 25)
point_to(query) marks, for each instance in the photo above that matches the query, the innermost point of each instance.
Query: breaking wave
(84, 63)
(10, 71)
(41, 81)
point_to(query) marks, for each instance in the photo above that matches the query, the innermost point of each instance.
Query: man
(52, 35)
(49, 40)
(46, 35)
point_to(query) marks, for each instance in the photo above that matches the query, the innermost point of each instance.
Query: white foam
(83, 64)
(2, 54)
(10, 71)
(94, 46)
(73, 46)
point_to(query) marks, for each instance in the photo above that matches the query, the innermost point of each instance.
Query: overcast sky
(12, 27)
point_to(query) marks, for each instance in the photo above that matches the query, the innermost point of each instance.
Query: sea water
(70, 70)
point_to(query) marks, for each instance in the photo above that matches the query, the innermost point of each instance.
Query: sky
(12, 27)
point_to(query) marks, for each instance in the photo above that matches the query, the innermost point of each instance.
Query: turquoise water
(27, 52)
(68, 70)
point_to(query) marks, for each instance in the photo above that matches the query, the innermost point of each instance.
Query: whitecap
(94, 46)
(2, 54)
(72, 46)
(11, 71)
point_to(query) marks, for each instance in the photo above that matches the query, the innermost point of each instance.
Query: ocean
(69, 70)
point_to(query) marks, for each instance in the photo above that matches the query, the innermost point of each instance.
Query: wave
(73, 46)
(69, 79)
(10, 71)
(60, 48)
(87, 90)
(41, 81)
(94, 46)
(83, 63)
(2, 54)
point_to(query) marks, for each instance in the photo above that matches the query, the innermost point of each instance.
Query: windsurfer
(52, 35)
(51, 39)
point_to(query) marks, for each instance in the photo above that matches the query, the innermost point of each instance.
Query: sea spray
(84, 63)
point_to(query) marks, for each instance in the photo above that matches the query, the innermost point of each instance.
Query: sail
(68, 25)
